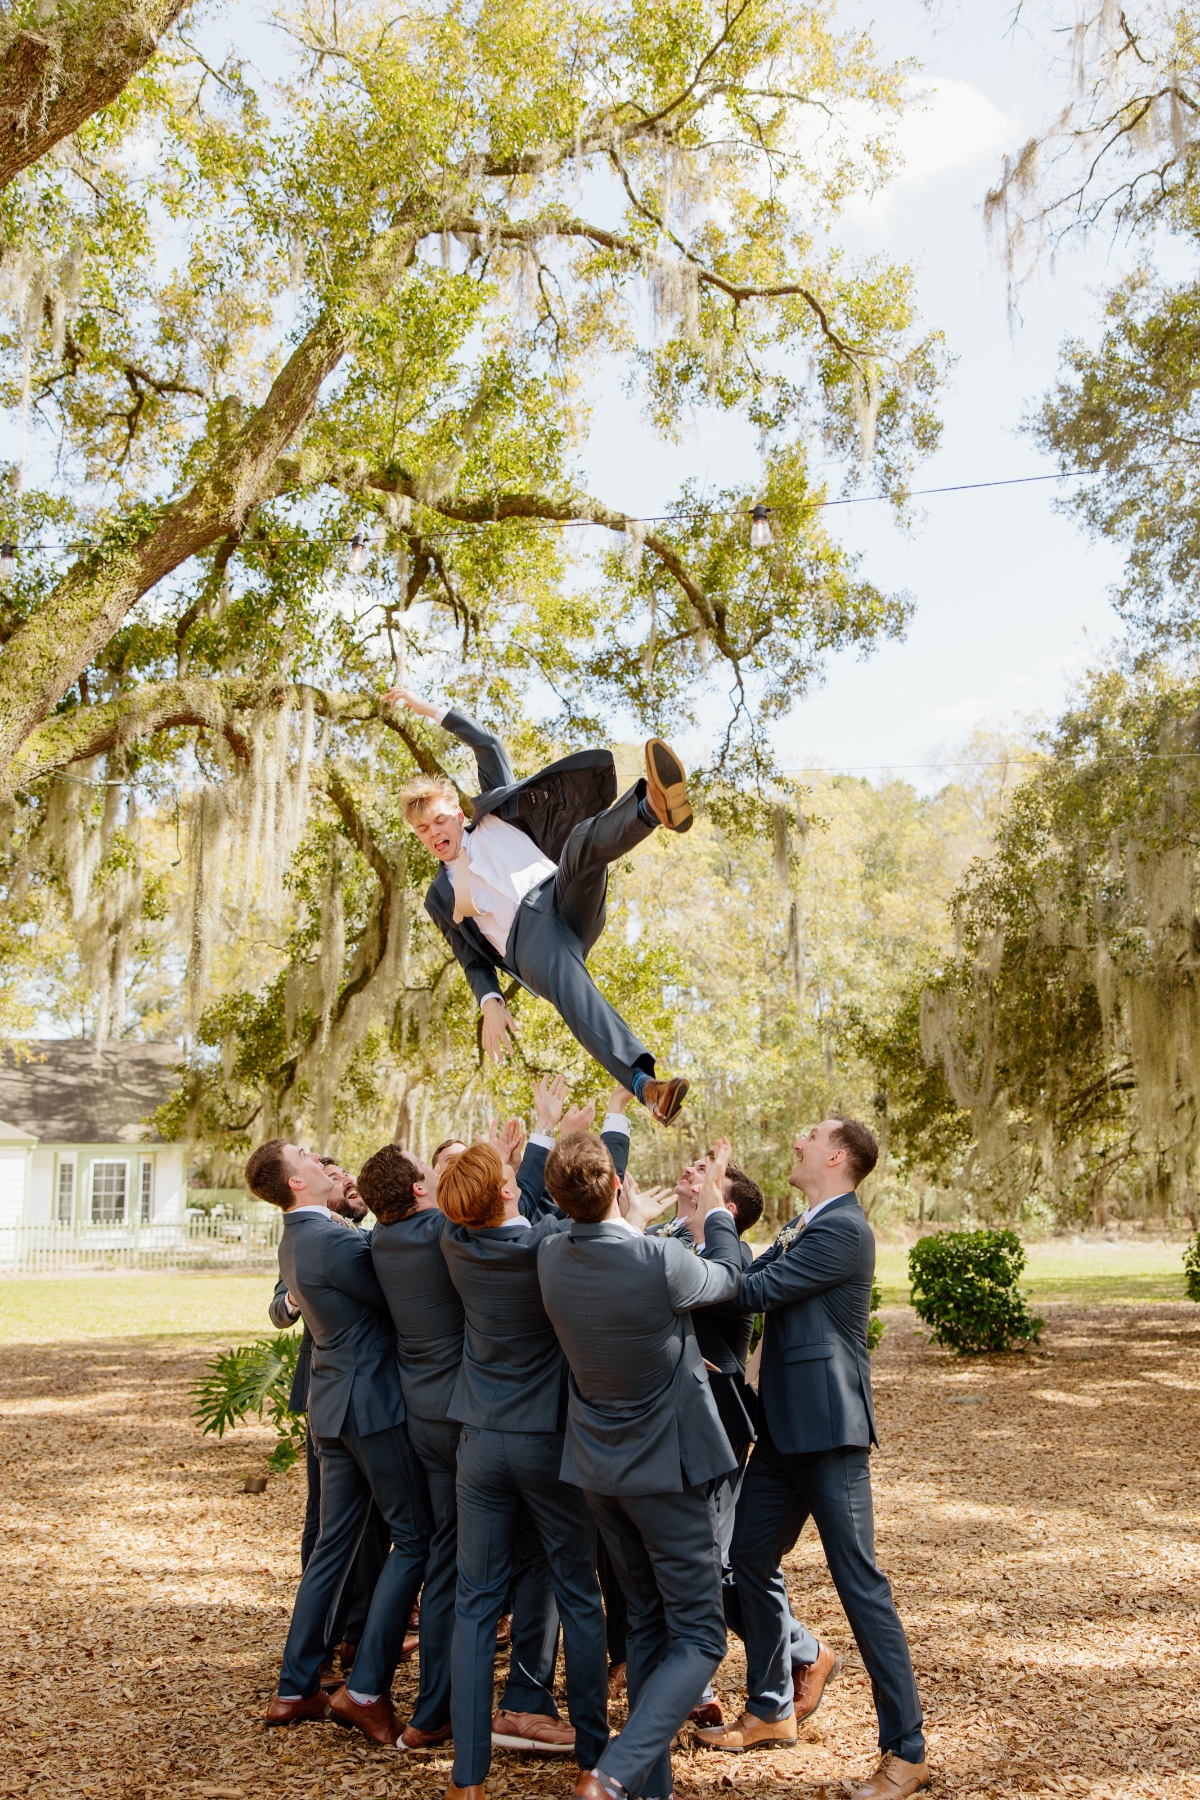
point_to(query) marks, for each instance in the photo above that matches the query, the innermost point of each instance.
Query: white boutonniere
(788, 1235)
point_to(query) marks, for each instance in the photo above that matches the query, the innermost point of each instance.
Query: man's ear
(420, 1190)
(295, 1181)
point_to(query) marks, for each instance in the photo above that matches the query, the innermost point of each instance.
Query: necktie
(464, 905)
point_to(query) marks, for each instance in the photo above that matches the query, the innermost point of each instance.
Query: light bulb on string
(760, 527)
(356, 562)
(8, 561)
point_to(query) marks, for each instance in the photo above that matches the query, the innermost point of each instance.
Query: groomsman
(510, 1399)
(643, 1441)
(356, 1415)
(816, 1425)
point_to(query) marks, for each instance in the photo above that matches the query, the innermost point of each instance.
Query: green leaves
(964, 1288)
(249, 1381)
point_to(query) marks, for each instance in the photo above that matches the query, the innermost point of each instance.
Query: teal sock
(638, 1082)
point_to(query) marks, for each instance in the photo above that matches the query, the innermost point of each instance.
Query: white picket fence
(198, 1242)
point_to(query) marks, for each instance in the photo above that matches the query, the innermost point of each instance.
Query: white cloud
(954, 127)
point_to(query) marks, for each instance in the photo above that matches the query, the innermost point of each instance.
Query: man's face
(443, 1157)
(814, 1151)
(308, 1178)
(687, 1188)
(441, 828)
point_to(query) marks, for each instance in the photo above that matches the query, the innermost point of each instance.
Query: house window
(147, 1189)
(64, 1199)
(109, 1183)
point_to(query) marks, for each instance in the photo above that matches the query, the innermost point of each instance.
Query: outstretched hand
(640, 1206)
(580, 1118)
(549, 1098)
(400, 696)
(509, 1140)
(712, 1195)
(496, 1031)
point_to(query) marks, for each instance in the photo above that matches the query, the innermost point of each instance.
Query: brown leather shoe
(809, 1681)
(616, 1680)
(504, 1632)
(346, 1654)
(532, 1731)
(666, 787)
(664, 1098)
(413, 1738)
(894, 1779)
(751, 1733)
(377, 1721)
(468, 1793)
(292, 1709)
(588, 1788)
(410, 1646)
(330, 1678)
(708, 1716)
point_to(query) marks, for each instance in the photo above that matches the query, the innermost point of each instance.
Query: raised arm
(491, 758)
(824, 1255)
(698, 1281)
(348, 1266)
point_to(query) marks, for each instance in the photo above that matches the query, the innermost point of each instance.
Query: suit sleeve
(618, 1149)
(821, 1257)
(693, 1281)
(346, 1258)
(278, 1312)
(535, 1202)
(479, 969)
(491, 758)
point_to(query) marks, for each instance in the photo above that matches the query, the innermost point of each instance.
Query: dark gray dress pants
(556, 928)
(355, 1469)
(501, 1474)
(833, 1487)
(535, 1617)
(664, 1550)
(354, 1602)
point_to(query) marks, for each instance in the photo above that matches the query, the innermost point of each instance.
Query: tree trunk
(55, 77)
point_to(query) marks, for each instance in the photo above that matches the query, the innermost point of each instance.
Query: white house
(74, 1147)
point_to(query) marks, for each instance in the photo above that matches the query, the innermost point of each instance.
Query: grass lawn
(44, 1309)
(1082, 1272)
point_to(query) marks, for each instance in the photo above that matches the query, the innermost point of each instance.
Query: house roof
(73, 1092)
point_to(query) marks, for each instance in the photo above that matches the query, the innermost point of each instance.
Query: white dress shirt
(807, 1218)
(504, 864)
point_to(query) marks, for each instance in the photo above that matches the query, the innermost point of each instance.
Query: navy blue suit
(356, 1414)
(511, 1398)
(816, 1424)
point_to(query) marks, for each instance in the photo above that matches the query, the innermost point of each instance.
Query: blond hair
(470, 1188)
(418, 795)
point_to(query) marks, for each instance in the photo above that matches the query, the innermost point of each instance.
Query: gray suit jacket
(815, 1381)
(640, 1418)
(355, 1372)
(546, 806)
(513, 1377)
(282, 1320)
(425, 1307)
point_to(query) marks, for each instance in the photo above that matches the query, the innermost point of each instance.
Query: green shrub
(1191, 1268)
(875, 1325)
(255, 1378)
(964, 1288)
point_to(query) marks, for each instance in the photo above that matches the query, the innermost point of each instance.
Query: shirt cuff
(542, 1139)
(615, 1122)
(493, 996)
(439, 716)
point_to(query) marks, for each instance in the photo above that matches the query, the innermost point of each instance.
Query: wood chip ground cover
(1039, 1517)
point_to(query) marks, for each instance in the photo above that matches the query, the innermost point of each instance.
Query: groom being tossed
(522, 887)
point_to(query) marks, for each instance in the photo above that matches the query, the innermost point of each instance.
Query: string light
(760, 528)
(8, 561)
(356, 561)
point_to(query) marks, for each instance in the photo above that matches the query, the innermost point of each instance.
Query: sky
(1010, 597)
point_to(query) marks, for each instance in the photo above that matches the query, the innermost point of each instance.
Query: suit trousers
(354, 1602)
(664, 1549)
(502, 1474)
(833, 1487)
(535, 1617)
(548, 943)
(355, 1469)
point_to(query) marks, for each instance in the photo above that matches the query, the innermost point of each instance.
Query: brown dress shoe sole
(675, 1106)
(670, 785)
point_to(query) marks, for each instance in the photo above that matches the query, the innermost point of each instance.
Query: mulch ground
(1039, 1517)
